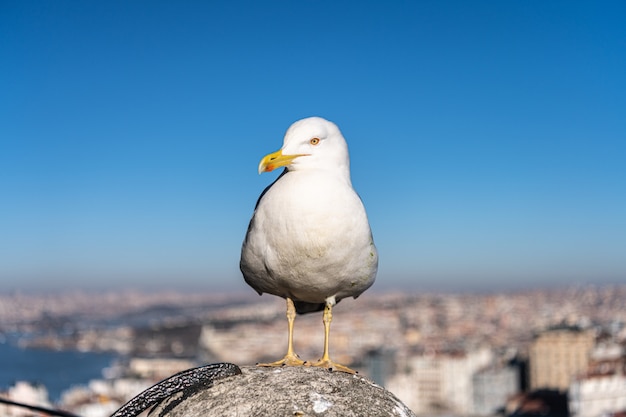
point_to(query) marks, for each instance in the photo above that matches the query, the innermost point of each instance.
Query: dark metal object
(186, 383)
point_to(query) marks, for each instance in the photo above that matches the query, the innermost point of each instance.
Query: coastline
(56, 370)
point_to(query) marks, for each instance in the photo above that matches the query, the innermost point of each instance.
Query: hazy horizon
(240, 289)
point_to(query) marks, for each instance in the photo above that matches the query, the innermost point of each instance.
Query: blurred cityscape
(557, 352)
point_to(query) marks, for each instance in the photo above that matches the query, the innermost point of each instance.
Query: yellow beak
(276, 160)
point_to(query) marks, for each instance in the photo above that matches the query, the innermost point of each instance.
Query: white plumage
(309, 240)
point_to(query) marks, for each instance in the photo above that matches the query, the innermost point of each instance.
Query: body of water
(57, 371)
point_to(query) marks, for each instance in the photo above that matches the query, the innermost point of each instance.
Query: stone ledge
(288, 391)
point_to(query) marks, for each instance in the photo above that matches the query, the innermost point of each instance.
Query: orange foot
(288, 360)
(332, 366)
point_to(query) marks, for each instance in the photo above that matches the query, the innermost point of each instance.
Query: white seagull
(309, 240)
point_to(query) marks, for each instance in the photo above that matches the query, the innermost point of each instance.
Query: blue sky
(487, 138)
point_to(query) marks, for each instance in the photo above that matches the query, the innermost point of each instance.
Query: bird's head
(310, 144)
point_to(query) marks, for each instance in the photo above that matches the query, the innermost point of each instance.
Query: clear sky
(487, 138)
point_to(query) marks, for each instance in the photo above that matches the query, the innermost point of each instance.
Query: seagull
(309, 240)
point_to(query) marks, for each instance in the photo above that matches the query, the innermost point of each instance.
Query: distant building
(492, 387)
(601, 391)
(157, 368)
(378, 365)
(101, 398)
(439, 382)
(26, 393)
(539, 403)
(557, 355)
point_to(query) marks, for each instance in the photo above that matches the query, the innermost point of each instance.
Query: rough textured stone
(288, 391)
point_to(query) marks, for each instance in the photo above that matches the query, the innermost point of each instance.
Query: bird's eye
(315, 141)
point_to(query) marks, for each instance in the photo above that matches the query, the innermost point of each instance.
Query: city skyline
(487, 140)
(469, 353)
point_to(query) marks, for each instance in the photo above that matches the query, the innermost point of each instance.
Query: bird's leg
(326, 362)
(291, 317)
(290, 359)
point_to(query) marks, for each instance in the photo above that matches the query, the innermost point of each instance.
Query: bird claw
(332, 366)
(288, 360)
